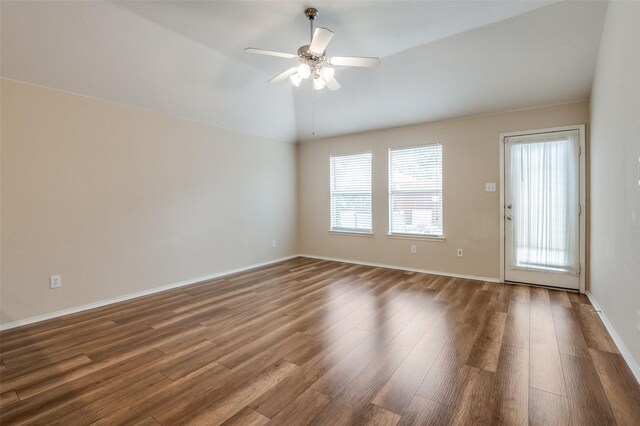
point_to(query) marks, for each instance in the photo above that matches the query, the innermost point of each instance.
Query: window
(351, 193)
(415, 191)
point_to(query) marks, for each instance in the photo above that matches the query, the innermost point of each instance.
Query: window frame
(412, 235)
(352, 231)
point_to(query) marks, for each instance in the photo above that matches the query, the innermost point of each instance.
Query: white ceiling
(440, 59)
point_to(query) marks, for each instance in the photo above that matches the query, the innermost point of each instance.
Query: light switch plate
(490, 187)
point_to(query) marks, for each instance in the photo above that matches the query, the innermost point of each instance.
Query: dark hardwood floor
(316, 342)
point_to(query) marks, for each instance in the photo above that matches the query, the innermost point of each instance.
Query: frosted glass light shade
(318, 83)
(295, 79)
(304, 71)
(327, 73)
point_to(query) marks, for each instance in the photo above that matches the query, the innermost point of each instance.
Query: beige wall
(471, 215)
(615, 192)
(118, 200)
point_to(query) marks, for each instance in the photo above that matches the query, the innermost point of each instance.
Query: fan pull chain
(313, 111)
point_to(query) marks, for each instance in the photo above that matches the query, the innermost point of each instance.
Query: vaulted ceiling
(440, 59)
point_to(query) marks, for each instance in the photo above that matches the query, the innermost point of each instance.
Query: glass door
(542, 209)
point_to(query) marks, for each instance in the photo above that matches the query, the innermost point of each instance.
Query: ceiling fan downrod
(311, 14)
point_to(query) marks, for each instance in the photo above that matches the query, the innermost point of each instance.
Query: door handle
(509, 206)
(509, 217)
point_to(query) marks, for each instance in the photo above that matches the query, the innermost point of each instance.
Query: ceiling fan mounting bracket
(311, 13)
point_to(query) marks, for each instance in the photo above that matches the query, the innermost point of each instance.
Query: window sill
(354, 233)
(416, 237)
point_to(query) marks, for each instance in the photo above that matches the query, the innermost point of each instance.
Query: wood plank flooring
(326, 343)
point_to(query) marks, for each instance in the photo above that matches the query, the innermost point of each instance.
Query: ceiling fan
(313, 60)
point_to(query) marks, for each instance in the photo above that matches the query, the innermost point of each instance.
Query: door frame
(583, 194)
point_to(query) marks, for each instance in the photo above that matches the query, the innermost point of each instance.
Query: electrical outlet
(459, 252)
(490, 187)
(55, 281)
(274, 243)
(413, 249)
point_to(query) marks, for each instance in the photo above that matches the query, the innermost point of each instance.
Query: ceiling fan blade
(333, 84)
(270, 53)
(354, 61)
(284, 75)
(321, 38)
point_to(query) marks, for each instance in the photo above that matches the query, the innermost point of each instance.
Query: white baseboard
(626, 354)
(129, 296)
(405, 268)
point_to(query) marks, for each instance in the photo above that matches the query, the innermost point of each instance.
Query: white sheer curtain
(545, 202)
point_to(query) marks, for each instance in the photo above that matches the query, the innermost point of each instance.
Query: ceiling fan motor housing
(306, 54)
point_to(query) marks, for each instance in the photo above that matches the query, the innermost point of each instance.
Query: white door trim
(583, 193)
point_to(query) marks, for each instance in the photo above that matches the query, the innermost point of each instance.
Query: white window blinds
(350, 186)
(415, 190)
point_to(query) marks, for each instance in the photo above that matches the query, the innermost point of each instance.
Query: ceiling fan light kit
(313, 60)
